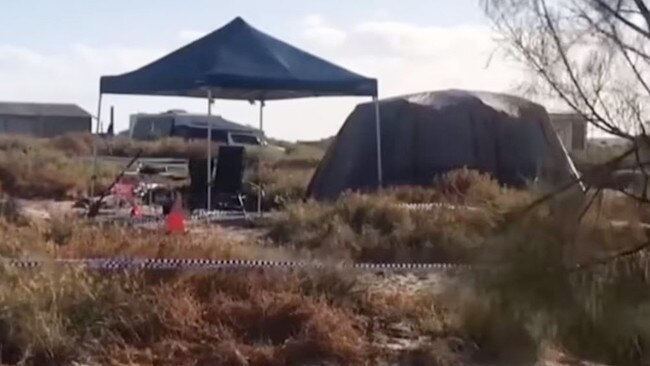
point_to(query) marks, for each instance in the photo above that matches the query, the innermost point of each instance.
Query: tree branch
(589, 204)
(597, 170)
(569, 69)
(602, 261)
(541, 70)
(616, 14)
(614, 38)
(643, 10)
(630, 63)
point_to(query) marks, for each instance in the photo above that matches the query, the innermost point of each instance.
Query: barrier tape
(219, 215)
(204, 264)
(227, 264)
(431, 206)
(217, 264)
(201, 216)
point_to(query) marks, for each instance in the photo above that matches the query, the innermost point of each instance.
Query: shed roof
(42, 109)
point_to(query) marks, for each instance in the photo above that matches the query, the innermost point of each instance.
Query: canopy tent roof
(238, 61)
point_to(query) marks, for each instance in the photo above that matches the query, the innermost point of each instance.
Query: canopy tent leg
(259, 164)
(93, 178)
(380, 173)
(209, 154)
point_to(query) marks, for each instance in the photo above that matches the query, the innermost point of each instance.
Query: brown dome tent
(426, 134)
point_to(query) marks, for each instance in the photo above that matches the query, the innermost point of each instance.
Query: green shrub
(48, 317)
(375, 227)
(31, 168)
(599, 312)
(74, 144)
(284, 176)
(60, 167)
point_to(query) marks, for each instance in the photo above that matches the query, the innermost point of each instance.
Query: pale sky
(55, 51)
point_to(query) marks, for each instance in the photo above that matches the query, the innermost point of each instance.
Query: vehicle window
(192, 133)
(220, 136)
(245, 139)
(149, 128)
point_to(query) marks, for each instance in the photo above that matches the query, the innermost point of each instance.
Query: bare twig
(630, 63)
(613, 12)
(635, 197)
(643, 10)
(606, 260)
(589, 204)
(596, 170)
(569, 69)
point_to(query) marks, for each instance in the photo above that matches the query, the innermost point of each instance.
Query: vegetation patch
(379, 228)
(55, 315)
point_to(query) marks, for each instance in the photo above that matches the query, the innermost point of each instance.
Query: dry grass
(285, 177)
(165, 148)
(29, 168)
(55, 168)
(73, 144)
(322, 144)
(375, 228)
(532, 301)
(464, 187)
(282, 186)
(54, 315)
(275, 317)
(66, 237)
(79, 144)
(82, 145)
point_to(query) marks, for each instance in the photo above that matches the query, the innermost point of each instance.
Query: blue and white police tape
(200, 216)
(220, 215)
(224, 264)
(437, 205)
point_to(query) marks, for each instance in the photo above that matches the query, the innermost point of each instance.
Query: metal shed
(572, 129)
(43, 119)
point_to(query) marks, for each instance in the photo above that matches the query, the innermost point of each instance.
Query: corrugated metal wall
(571, 128)
(43, 126)
(54, 126)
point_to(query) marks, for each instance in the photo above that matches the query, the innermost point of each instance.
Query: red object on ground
(176, 218)
(136, 211)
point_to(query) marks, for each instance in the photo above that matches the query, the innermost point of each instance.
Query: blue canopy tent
(240, 62)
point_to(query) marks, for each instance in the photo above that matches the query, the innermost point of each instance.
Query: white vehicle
(189, 126)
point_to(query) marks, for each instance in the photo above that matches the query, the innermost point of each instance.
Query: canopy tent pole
(259, 163)
(93, 177)
(99, 114)
(209, 153)
(380, 173)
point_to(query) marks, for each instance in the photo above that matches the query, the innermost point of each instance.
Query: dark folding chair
(198, 183)
(227, 185)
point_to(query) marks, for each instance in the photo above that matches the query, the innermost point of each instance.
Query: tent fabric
(238, 61)
(427, 134)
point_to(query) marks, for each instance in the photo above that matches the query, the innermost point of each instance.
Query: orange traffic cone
(176, 217)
